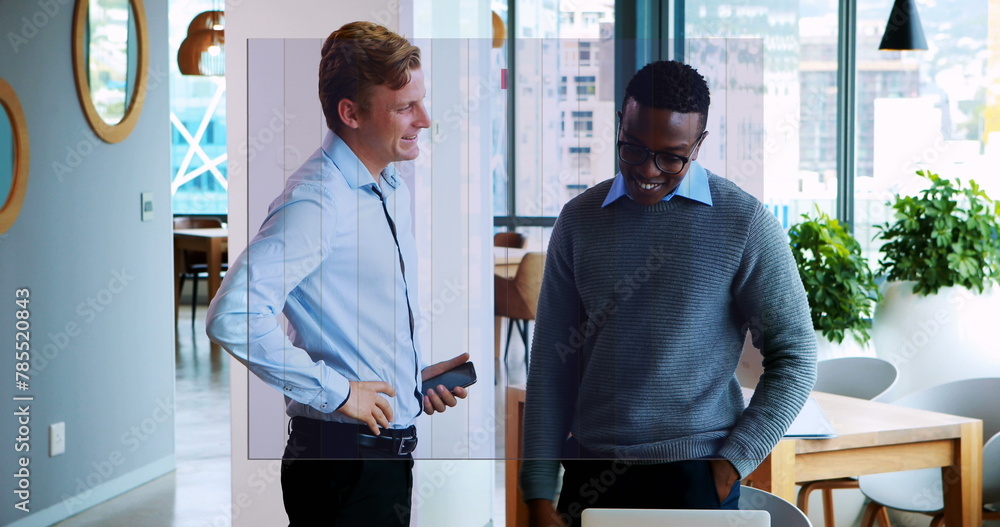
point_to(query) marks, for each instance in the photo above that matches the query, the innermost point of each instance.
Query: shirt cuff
(337, 389)
(345, 398)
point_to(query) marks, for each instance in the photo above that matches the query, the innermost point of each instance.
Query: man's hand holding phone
(438, 397)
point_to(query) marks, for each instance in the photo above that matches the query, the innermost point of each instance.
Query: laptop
(673, 518)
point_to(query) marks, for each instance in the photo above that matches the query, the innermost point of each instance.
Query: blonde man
(337, 257)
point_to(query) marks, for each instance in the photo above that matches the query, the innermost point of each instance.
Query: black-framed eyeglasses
(666, 162)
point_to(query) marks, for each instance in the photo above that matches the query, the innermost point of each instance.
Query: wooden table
(211, 242)
(872, 438)
(876, 437)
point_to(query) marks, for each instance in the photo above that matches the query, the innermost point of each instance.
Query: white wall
(279, 122)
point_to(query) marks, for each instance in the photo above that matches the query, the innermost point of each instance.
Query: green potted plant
(946, 236)
(941, 258)
(838, 282)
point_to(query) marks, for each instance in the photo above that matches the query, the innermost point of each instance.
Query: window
(583, 124)
(198, 122)
(585, 85)
(573, 53)
(584, 53)
(579, 160)
(772, 71)
(922, 109)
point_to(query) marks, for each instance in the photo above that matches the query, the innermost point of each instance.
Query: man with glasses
(651, 283)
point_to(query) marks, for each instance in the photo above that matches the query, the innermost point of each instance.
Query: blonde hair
(356, 58)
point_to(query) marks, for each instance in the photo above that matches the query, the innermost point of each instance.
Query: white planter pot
(935, 339)
(848, 348)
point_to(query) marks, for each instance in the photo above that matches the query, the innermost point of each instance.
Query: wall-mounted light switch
(147, 206)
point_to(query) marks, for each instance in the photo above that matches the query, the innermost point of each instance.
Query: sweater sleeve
(552, 377)
(769, 294)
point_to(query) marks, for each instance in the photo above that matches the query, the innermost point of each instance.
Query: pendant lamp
(203, 51)
(499, 31)
(903, 31)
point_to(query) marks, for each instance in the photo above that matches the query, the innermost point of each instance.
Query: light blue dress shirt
(326, 258)
(693, 186)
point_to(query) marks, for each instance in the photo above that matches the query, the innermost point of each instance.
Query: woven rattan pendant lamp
(203, 51)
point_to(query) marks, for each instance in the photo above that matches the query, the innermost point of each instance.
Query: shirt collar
(353, 170)
(694, 186)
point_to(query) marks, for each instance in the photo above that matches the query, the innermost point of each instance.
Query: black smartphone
(463, 375)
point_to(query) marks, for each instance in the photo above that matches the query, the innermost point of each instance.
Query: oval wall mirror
(110, 63)
(13, 156)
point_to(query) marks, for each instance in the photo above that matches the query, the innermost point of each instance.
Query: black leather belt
(401, 443)
(395, 441)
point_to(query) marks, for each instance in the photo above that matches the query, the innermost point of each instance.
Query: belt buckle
(401, 450)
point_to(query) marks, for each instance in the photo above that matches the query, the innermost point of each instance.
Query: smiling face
(388, 130)
(659, 130)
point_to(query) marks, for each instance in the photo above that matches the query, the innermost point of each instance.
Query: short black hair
(672, 85)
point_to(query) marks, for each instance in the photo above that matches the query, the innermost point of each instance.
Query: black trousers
(372, 489)
(611, 484)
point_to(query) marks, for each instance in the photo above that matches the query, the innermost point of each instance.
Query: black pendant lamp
(903, 32)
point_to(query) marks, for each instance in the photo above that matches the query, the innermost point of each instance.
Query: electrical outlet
(57, 439)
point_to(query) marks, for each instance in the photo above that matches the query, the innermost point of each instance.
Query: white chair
(921, 490)
(596, 517)
(783, 513)
(860, 377)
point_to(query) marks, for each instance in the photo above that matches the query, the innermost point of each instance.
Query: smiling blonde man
(336, 255)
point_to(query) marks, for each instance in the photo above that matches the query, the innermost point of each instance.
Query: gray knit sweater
(641, 321)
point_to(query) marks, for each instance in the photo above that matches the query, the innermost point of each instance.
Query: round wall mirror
(110, 61)
(13, 156)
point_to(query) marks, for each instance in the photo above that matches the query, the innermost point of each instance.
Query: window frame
(649, 30)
